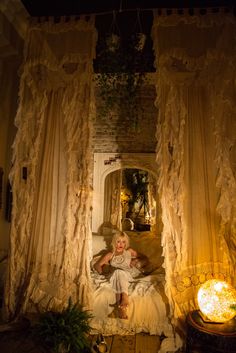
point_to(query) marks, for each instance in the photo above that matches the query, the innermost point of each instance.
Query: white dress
(121, 276)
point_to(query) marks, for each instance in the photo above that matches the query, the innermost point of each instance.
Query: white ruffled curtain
(50, 237)
(112, 202)
(196, 134)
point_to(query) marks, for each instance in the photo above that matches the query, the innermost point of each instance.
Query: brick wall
(115, 134)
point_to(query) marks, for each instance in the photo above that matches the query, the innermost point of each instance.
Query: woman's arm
(104, 260)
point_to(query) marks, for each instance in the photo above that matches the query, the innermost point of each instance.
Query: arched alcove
(130, 197)
(107, 163)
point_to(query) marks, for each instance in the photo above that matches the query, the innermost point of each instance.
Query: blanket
(148, 305)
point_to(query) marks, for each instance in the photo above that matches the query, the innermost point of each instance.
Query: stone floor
(17, 338)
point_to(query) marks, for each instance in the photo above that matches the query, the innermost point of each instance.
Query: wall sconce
(217, 301)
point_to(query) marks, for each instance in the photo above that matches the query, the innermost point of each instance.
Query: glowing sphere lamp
(217, 301)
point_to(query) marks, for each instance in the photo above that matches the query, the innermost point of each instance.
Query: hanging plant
(113, 42)
(120, 76)
(140, 41)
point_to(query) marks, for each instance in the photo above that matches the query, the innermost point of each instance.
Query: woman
(122, 258)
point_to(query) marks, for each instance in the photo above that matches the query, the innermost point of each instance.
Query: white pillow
(99, 243)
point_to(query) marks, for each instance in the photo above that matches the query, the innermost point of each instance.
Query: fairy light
(217, 300)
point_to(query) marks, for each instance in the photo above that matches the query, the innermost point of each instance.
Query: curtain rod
(160, 11)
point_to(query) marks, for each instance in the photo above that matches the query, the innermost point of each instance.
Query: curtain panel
(50, 238)
(112, 207)
(195, 60)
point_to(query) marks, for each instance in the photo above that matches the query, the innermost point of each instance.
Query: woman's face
(120, 244)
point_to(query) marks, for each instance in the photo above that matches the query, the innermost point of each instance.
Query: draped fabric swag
(196, 134)
(50, 235)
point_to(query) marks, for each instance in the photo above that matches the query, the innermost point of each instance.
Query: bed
(147, 311)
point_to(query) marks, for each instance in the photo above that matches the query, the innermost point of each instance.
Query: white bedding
(147, 311)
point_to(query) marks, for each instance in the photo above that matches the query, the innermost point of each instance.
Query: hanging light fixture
(217, 301)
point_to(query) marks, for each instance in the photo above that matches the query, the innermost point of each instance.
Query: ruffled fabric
(146, 311)
(50, 246)
(195, 83)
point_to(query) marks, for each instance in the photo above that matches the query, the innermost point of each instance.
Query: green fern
(65, 331)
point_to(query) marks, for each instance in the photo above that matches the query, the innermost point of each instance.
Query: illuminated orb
(215, 300)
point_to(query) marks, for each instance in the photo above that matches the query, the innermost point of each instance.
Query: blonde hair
(119, 235)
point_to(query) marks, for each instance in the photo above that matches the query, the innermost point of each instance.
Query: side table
(209, 337)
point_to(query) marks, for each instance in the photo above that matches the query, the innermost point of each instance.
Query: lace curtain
(196, 134)
(50, 237)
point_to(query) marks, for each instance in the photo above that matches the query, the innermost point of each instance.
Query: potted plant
(113, 42)
(65, 331)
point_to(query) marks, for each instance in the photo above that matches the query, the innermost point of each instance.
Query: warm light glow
(147, 218)
(215, 300)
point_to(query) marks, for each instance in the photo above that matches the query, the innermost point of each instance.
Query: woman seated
(122, 258)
